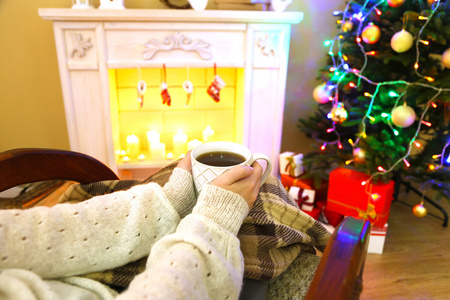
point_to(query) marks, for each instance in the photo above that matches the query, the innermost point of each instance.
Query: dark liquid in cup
(220, 159)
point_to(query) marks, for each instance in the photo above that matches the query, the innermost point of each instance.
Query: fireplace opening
(148, 133)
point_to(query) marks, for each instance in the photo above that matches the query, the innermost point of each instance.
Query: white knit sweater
(43, 249)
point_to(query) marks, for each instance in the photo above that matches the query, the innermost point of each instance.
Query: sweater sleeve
(101, 233)
(202, 259)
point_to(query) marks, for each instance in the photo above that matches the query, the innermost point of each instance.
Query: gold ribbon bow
(370, 213)
(290, 167)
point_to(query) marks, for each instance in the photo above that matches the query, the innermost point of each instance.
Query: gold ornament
(347, 26)
(419, 210)
(321, 93)
(371, 33)
(359, 155)
(395, 3)
(402, 41)
(338, 113)
(446, 58)
(403, 116)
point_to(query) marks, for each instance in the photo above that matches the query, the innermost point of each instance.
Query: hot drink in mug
(209, 160)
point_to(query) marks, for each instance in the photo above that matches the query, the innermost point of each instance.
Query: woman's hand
(242, 180)
(185, 163)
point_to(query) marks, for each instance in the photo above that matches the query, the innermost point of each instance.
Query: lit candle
(158, 151)
(194, 143)
(179, 143)
(153, 137)
(133, 145)
(208, 134)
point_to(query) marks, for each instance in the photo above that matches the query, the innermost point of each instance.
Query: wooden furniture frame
(338, 276)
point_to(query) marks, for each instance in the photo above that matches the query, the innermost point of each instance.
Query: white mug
(204, 173)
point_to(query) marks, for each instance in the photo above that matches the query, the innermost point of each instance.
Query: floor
(415, 263)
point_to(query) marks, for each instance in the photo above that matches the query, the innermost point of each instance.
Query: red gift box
(332, 217)
(349, 197)
(321, 192)
(315, 213)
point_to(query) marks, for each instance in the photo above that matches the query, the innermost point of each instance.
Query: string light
(406, 163)
(375, 196)
(341, 70)
(381, 169)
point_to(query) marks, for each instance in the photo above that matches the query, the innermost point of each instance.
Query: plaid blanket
(272, 235)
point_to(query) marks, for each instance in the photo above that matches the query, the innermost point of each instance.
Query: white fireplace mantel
(92, 41)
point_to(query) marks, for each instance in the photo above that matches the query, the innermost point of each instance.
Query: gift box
(291, 164)
(329, 217)
(377, 239)
(315, 213)
(303, 197)
(307, 183)
(350, 194)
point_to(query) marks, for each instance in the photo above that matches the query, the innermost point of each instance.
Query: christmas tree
(384, 96)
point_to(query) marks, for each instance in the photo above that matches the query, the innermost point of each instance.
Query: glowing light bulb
(416, 66)
(406, 163)
(378, 11)
(422, 18)
(417, 144)
(396, 133)
(340, 145)
(434, 105)
(431, 167)
(367, 94)
(385, 115)
(330, 130)
(381, 169)
(372, 53)
(364, 183)
(350, 141)
(351, 84)
(323, 146)
(375, 196)
(426, 123)
(425, 42)
(348, 161)
(430, 79)
(371, 118)
(345, 57)
(358, 40)
(327, 43)
(393, 94)
(436, 156)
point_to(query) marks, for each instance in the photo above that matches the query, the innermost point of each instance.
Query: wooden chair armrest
(27, 165)
(339, 274)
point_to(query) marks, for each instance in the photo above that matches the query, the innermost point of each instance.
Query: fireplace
(117, 67)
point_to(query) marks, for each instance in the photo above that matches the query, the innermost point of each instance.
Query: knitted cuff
(225, 208)
(180, 191)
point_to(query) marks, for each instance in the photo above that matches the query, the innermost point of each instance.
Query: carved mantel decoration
(252, 45)
(177, 41)
(80, 45)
